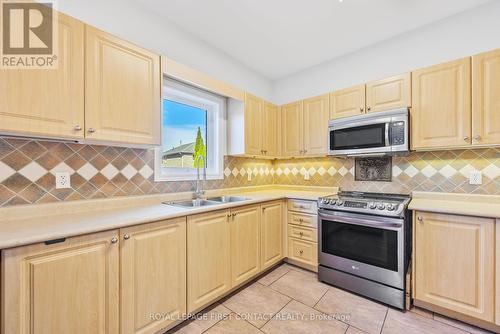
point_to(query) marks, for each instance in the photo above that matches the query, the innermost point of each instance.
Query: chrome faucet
(199, 192)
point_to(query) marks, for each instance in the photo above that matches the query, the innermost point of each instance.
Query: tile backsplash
(28, 167)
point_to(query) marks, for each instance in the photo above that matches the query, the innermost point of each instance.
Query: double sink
(196, 203)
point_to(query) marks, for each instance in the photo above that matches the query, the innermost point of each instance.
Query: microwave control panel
(397, 133)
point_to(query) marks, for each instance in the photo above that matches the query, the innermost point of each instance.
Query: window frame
(216, 107)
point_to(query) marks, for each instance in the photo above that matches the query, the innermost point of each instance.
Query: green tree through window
(199, 149)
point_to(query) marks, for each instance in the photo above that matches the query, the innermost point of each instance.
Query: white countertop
(74, 219)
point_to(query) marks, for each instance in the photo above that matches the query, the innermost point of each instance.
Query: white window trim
(216, 114)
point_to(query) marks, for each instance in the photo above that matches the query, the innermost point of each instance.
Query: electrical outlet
(475, 177)
(307, 177)
(249, 176)
(63, 180)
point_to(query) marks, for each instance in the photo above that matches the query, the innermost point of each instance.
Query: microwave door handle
(359, 221)
(387, 143)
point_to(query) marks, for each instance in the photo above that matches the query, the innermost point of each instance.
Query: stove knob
(381, 206)
(372, 205)
(391, 207)
(322, 200)
(328, 201)
(339, 202)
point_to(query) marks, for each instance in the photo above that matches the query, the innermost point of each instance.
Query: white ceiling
(280, 37)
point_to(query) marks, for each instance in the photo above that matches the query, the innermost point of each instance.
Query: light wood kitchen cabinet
(304, 252)
(208, 258)
(272, 130)
(497, 272)
(347, 102)
(71, 286)
(254, 122)
(48, 103)
(455, 264)
(486, 98)
(441, 101)
(271, 234)
(316, 115)
(292, 126)
(390, 93)
(245, 243)
(122, 90)
(153, 276)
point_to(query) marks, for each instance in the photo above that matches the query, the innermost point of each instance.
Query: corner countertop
(459, 204)
(28, 225)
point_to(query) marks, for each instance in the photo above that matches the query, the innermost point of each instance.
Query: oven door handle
(387, 142)
(360, 221)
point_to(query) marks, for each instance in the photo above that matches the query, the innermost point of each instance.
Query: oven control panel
(358, 205)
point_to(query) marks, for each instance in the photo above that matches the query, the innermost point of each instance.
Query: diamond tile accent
(332, 171)
(429, 171)
(87, 171)
(343, 171)
(5, 172)
(447, 171)
(146, 171)
(396, 171)
(465, 171)
(109, 171)
(33, 171)
(321, 171)
(491, 171)
(62, 167)
(129, 171)
(411, 171)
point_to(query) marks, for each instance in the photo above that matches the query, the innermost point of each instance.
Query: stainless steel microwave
(379, 133)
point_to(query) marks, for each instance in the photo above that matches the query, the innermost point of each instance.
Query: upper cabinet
(253, 127)
(315, 120)
(48, 103)
(104, 89)
(304, 125)
(122, 90)
(486, 98)
(441, 114)
(347, 102)
(390, 93)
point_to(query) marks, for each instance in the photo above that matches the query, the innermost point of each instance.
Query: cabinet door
(153, 275)
(486, 98)
(293, 129)
(271, 234)
(347, 102)
(245, 244)
(254, 121)
(390, 93)
(122, 90)
(47, 102)
(209, 267)
(67, 287)
(441, 114)
(316, 114)
(455, 263)
(272, 130)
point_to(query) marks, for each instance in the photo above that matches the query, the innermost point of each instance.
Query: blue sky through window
(180, 124)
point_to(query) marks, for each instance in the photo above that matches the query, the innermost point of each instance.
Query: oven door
(368, 246)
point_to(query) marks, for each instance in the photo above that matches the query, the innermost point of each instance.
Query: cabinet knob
(301, 252)
(77, 127)
(305, 151)
(301, 234)
(228, 215)
(361, 109)
(234, 215)
(126, 237)
(419, 218)
(466, 138)
(368, 108)
(114, 240)
(477, 137)
(91, 130)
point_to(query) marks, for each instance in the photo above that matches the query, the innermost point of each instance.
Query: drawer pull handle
(54, 241)
(301, 252)
(301, 234)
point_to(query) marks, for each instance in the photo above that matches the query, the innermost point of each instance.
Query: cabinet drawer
(303, 233)
(303, 206)
(304, 251)
(303, 219)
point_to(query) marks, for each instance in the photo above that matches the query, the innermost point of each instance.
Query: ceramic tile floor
(291, 300)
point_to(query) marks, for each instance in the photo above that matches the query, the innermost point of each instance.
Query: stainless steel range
(365, 244)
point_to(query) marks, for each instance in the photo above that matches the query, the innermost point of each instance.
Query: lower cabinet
(153, 276)
(271, 234)
(69, 286)
(455, 264)
(208, 260)
(245, 243)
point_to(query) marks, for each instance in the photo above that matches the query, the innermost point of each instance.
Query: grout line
(274, 315)
(314, 307)
(383, 324)
(224, 318)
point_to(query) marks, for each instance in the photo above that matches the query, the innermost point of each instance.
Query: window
(193, 124)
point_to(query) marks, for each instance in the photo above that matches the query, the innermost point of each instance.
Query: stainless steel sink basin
(195, 203)
(228, 199)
